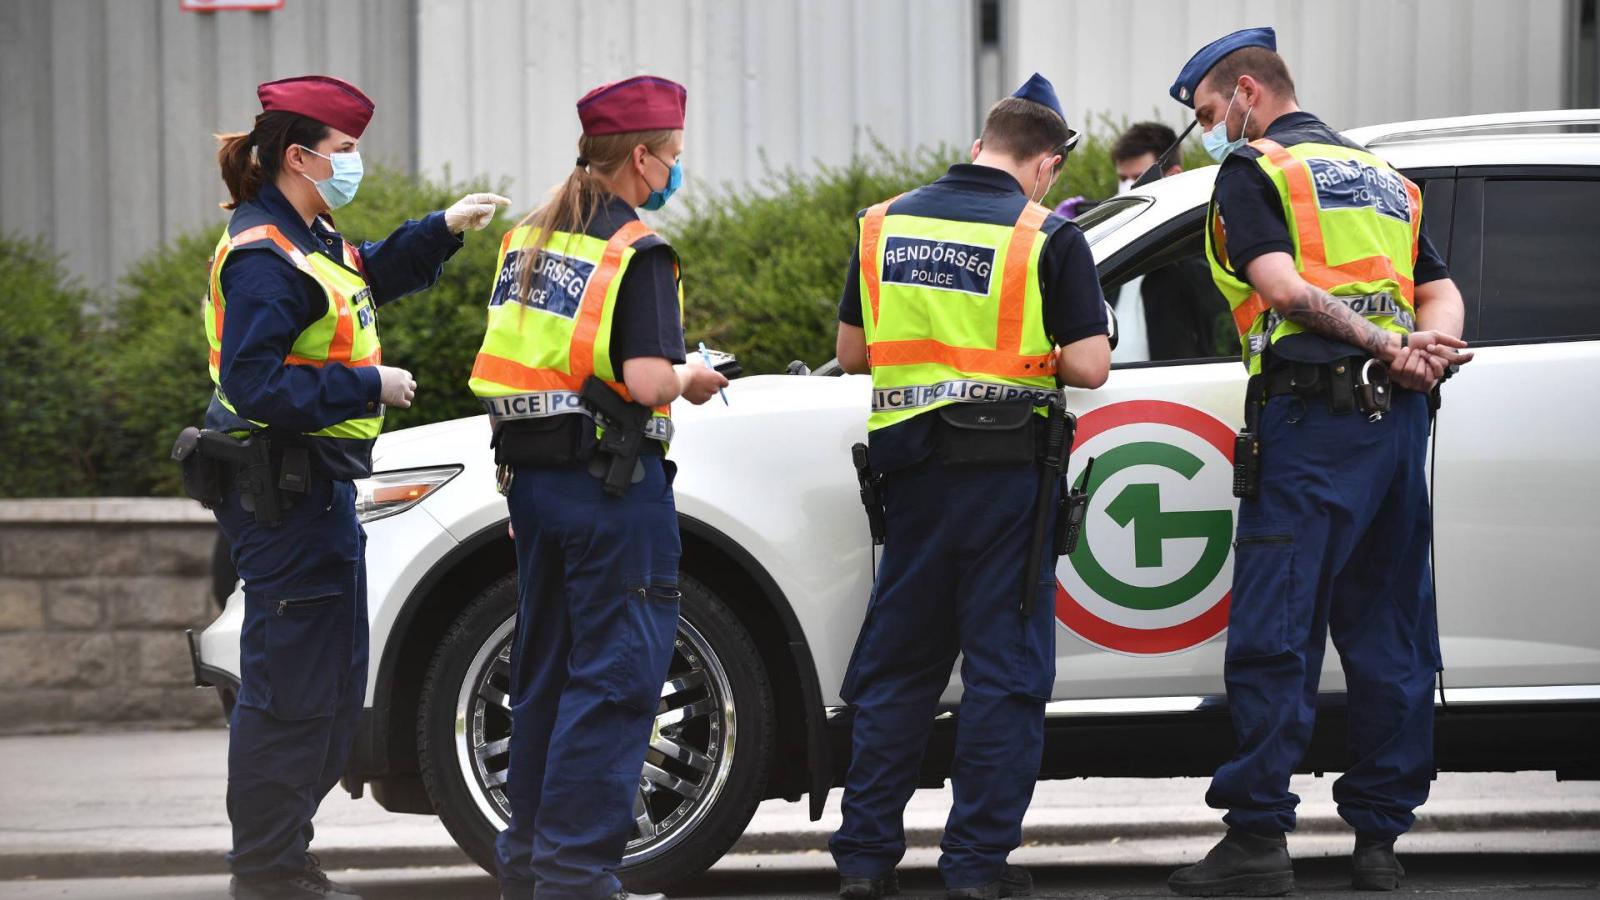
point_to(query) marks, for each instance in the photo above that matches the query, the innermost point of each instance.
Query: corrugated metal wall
(107, 108)
(1355, 62)
(774, 83)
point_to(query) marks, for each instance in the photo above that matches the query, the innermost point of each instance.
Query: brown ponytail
(239, 170)
(249, 159)
(573, 203)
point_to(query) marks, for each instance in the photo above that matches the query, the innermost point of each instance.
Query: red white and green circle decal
(1154, 567)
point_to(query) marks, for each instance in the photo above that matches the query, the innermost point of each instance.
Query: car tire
(722, 749)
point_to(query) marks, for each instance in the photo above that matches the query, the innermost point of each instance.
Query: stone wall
(94, 597)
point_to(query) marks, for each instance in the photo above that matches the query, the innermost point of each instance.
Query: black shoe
(296, 887)
(853, 887)
(1014, 882)
(1373, 867)
(1241, 864)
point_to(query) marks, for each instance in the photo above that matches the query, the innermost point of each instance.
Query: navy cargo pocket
(650, 623)
(1263, 583)
(307, 649)
(1034, 665)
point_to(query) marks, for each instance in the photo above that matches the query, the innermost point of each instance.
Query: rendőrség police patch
(941, 265)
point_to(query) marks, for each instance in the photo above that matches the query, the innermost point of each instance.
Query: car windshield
(1107, 217)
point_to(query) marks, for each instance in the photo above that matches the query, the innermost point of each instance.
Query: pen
(706, 358)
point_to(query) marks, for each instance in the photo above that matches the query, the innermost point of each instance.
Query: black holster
(871, 484)
(1053, 449)
(267, 478)
(616, 460)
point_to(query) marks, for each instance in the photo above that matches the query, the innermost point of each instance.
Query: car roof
(1540, 138)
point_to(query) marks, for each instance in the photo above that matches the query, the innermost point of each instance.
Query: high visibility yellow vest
(347, 333)
(1355, 224)
(538, 350)
(953, 312)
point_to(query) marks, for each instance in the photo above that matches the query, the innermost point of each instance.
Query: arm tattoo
(1316, 310)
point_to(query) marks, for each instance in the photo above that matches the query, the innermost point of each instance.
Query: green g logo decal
(1153, 570)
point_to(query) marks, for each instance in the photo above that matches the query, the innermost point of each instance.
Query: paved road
(1541, 866)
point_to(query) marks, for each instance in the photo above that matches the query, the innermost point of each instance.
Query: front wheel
(710, 746)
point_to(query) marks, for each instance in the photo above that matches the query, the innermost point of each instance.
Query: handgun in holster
(1055, 448)
(1247, 443)
(616, 462)
(212, 460)
(871, 493)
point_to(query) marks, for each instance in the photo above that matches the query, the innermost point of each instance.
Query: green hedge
(91, 403)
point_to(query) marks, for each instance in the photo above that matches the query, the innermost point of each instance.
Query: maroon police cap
(337, 104)
(640, 103)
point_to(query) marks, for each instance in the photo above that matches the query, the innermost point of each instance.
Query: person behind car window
(291, 317)
(1180, 314)
(956, 300)
(1138, 148)
(584, 290)
(1319, 249)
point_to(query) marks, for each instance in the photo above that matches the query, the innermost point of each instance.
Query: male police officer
(1318, 247)
(957, 300)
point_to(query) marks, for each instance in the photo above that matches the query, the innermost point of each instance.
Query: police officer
(290, 318)
(957, 300)
(1319, 249)
(585, 290)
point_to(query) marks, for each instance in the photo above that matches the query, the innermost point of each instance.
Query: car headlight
(388, 493)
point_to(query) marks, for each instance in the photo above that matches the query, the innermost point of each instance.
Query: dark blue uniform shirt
(647, 320)
(1252, 211)
(1069, 284)
(270, 302)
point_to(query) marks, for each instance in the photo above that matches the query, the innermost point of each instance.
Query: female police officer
(586, 291)
(295, 359)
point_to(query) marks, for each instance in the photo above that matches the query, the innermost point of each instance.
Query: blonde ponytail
(573, 203)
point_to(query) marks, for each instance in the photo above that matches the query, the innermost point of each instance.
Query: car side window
(1541, 271)
(1167, 307)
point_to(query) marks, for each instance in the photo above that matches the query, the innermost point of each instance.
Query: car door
(1517, 493)
(1142, 602)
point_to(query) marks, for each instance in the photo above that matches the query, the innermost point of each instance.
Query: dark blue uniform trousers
(1337, 538)
(302, 671)
(950, 582)
(597, 612)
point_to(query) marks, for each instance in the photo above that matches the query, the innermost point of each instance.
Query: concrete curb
(119, 863)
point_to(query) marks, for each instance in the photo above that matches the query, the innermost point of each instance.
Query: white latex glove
(398, 387)
(472, 211)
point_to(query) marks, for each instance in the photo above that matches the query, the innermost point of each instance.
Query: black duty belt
(1348, 384)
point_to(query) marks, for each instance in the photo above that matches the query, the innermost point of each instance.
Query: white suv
(777, 564)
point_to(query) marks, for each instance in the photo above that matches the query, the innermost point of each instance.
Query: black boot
(1241, 864)
(1373, 867)
(854, 887)
(1014, 882)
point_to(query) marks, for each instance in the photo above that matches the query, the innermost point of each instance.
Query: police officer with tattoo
(1347, 321)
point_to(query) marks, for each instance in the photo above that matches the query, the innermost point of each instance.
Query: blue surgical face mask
(339, 188)
(1216, 140)
(658, 199)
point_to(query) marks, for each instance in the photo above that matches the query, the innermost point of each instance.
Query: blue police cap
(1195, 70)
(1041, 91)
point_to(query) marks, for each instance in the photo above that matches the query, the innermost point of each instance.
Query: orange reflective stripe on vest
(591, 309)
(1005, 360)
(344, 327)
(1313, 249)
(871, 235)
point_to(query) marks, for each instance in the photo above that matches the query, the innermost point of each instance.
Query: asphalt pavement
(80, 814)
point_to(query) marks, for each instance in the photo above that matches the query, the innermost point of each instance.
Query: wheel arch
(389, 748)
